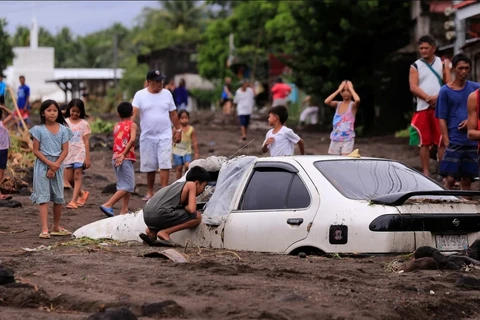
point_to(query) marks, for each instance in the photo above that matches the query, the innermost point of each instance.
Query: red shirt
(121, 137)
(478, 113)
(281, 90)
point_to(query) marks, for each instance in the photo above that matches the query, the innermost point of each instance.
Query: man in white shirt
(245, 100)
(280, 140)
(157, 113)
(427, 76)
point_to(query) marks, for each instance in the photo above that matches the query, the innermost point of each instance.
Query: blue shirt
(3, 86)
(181, 96)
(23, 95)
(452, 107)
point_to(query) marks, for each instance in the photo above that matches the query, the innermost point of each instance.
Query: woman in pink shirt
(280, 92)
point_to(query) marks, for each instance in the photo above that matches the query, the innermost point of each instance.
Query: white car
(330, 204)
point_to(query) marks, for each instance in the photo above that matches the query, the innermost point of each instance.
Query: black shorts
(3, 159)
(2, 100)
(244, 120)
(224, 100)
(165, 219)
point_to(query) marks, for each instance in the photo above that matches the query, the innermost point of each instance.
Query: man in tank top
(427, 75)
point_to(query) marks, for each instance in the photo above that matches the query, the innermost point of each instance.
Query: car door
(276, 207)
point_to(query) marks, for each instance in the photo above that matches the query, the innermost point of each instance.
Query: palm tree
(182, 14)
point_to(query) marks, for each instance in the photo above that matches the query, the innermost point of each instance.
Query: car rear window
(367, 179)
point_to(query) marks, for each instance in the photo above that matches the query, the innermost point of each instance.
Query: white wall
(37, 65)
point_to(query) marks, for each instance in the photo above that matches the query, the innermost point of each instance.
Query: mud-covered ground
(74, 279)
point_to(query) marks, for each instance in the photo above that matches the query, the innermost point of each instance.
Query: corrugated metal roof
(464, 4)
(86, 74)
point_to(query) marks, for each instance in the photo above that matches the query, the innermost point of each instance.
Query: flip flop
(44, 235)
(81, 201)
(108, 211)
(72, 205)
(147, 239)
(61, 232)
(5, 197)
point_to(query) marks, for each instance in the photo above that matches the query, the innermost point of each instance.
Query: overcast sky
(81, 17)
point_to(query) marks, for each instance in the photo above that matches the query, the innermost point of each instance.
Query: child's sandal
(72, 205)
(44, 235)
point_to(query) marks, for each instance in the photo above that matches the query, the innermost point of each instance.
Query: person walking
(245, 101)
(23, 99)
(3, 89)
(280, 92)
(427, 75)
(157, 112)
(180, 95)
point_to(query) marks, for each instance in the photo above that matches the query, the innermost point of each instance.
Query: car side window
(275, 189)
(298, 197)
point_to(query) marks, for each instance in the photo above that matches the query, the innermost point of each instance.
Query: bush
(101, 126)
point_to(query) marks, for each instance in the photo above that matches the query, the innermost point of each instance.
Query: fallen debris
(171, 254)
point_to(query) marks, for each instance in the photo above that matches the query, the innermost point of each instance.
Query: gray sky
(81, 17)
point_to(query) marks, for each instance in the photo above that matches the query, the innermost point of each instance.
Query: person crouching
(174, 208)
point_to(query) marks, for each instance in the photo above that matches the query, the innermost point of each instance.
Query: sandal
(72, 205)
(147, 240)
(81, 201)
(107, 211)
(44, 235)
(61, 232)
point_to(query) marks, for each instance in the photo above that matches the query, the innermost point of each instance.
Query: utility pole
(459, 32)
(115, 59)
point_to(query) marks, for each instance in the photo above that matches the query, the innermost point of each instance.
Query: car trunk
(444, 224)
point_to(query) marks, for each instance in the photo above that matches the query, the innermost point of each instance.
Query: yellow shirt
(185, 146)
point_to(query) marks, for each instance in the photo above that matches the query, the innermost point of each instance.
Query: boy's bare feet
(162, 235)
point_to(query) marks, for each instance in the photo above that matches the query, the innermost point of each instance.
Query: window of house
(275, 189)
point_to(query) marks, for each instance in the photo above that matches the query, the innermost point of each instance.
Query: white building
(37, 64)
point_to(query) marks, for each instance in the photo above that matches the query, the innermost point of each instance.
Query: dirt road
(74, 279)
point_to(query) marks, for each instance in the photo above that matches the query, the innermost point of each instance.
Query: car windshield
(367, 179)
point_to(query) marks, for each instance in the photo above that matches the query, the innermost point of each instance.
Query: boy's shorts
(181, 160)
(167, 218)
(3, 159)
(2, 100)
(75, 165)
(125, 176)
(459, 162)
(155, 154)
(244, 120)
(427, 126)
(341, 147)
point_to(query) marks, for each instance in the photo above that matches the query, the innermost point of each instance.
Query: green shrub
(101, 126)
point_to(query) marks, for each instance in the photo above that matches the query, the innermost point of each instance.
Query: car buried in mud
(329, 204)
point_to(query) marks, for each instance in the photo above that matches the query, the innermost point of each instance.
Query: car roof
(315, 158)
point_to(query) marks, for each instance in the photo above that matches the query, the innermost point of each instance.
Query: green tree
(21, 37)
(330, 41)
(252, 41)
(6, 52)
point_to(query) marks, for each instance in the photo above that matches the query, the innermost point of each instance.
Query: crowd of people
(446, 115)
(446, 119)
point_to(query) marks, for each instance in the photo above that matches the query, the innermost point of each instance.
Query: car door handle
(295, 221)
